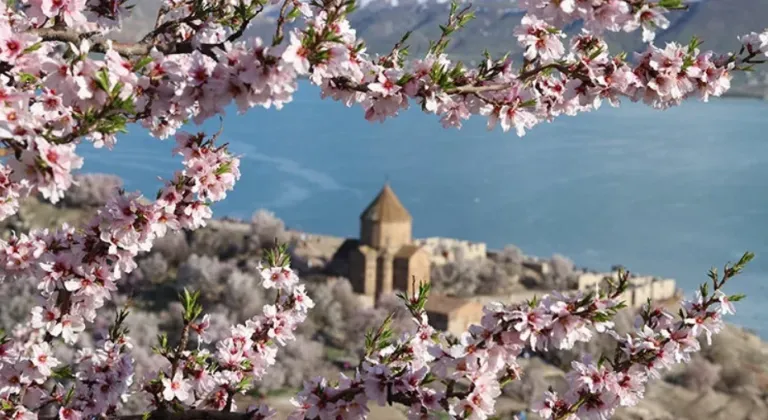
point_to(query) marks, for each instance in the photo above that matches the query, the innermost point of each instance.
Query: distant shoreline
(760, 94)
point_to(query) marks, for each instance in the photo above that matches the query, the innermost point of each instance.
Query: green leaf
(670, 4)
(70, 394)
(64, 372)
(405, 37)
(224, 168)
(405, 79)
(116, 89)
(27, 78)
(293, 14)
(596, 53)
(102, 79)
(32, 48)
(142, 63)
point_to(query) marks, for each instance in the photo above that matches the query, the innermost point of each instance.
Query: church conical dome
(386, 208)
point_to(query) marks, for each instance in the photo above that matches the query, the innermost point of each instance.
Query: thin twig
(280, 23)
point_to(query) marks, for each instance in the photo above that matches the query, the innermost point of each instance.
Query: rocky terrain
(728, 380)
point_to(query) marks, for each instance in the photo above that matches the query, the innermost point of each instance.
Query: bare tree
(471, 277)
(92, 190)
(511, 255)
(700, 375)
(562, 267)
(266, 228)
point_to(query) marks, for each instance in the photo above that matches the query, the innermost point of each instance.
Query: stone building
(446, 250)
(641, 288)
(453, 314)
(385, 258)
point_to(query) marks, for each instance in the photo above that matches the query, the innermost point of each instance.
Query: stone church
(385, 258)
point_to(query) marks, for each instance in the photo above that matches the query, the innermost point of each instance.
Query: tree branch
(143, 47)
(98, 45)
(280, 23)
(182, 415)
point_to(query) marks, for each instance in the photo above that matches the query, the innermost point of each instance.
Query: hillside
(381, 25)
(727, 380)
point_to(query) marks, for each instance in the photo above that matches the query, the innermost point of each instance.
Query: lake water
(664, 193)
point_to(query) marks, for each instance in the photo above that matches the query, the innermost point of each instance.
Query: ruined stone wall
(640, 289)
(664, 289)
(642, 294)
(446, 250)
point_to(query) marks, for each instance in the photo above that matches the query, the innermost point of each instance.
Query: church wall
(417, 266)
(384, 274)
(380, 235)
(362, 272)
(396, 234)
(420, 268)
(402, 278)
(370, 233)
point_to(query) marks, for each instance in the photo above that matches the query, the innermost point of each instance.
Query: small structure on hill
(453, 314)
(385, 259)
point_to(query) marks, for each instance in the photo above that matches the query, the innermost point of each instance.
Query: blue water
(663, 193)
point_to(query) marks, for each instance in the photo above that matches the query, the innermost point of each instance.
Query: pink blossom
(68, 328)
(649, 18)
(755, 43)
(540, 40)
(41, 357)
(66, 413)
(278, 277)
(177, 388)
(296, 55)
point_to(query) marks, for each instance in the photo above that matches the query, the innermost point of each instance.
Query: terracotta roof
(386, 207)
(407, 251)
(444, 304)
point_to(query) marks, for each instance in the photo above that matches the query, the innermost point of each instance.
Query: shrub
(92, 190)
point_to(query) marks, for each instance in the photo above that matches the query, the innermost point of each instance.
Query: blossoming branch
(64, 82)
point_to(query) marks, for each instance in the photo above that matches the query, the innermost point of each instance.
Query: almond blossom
(540, 40)
(63, 82)
(176, 387)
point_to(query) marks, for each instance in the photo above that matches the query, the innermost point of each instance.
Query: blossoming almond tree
(64, 82)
